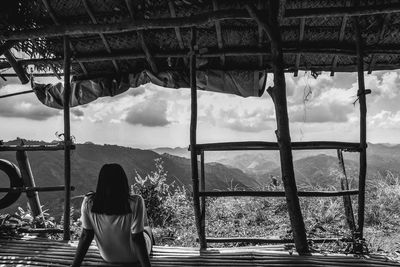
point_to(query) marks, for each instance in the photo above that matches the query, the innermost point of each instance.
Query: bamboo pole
(123, 27)
(67, 138)
(193, 132)
(342, 11)
(278, 95)
(259, 145)
(277, 193)
(35, 189)
(29, 181)
(344, 184)
(203, 198)
(19, 70)
(363, 129)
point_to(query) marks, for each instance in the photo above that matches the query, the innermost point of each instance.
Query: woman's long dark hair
(112, 193)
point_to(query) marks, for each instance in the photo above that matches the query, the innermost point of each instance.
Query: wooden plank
(67, 138)
(277, 193)
(258, 145)
(342, 11)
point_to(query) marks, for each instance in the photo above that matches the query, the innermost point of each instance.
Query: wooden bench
(32, 251)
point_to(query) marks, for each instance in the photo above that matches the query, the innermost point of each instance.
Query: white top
(113, 232)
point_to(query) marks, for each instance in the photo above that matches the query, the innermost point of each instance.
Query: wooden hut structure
(88, 39)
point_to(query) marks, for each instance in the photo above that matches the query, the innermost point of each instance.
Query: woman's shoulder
(135, 200)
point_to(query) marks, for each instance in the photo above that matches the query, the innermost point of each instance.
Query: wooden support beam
(67, 138)
(193, 141)
(344, 185)
(177, 29)
(260, 38)
(102, 37)
(14, 94)
(257, 145)
(301, 37)
(35, 189)
(341, 37)
(6, 46)
(123, 27)
(220, 41)
(278, 94)
(19, 70)
(29, 181)
(385, 23)
(53, 17)
(363, 127)
(342, 11)
(34, 147)
(143, 44)
(277, 193)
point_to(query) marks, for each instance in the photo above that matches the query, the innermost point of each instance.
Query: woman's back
(113, 233)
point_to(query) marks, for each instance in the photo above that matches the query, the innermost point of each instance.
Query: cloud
(385, 120)
(149, 113)
(255, 120)
(24, 106)
(334, 105)
(386, 85)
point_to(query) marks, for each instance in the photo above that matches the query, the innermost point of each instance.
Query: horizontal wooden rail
(41, 230)
(34, 147)
(18, 93)
(277, 193)
(35, 189)
(270, 240)
(256, 145)
(341, 48)
(342, 11)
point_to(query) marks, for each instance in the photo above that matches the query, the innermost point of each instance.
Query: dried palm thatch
(111, 36)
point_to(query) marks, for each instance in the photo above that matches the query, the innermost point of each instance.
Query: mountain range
(243, 170)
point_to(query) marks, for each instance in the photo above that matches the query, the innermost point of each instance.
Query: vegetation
(170, 211)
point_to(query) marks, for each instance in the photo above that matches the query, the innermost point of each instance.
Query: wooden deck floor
(43, 252)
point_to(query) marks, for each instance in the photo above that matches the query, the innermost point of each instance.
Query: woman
(116, 220)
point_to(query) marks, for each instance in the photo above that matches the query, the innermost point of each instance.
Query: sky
(149, 116)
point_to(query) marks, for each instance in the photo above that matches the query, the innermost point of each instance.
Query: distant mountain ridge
(87, 159)
(240, 169)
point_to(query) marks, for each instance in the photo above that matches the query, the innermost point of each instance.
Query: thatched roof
(109, 36)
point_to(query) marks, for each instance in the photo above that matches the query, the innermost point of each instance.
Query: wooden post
(278, 95)
(363, 129)
(29, 181)
(193, 130)
(203, 198)
(67, 137)
(344, 184)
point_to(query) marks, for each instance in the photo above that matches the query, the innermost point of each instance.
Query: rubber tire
(14, 175)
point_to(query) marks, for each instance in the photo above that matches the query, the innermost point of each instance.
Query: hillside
(87, 160)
